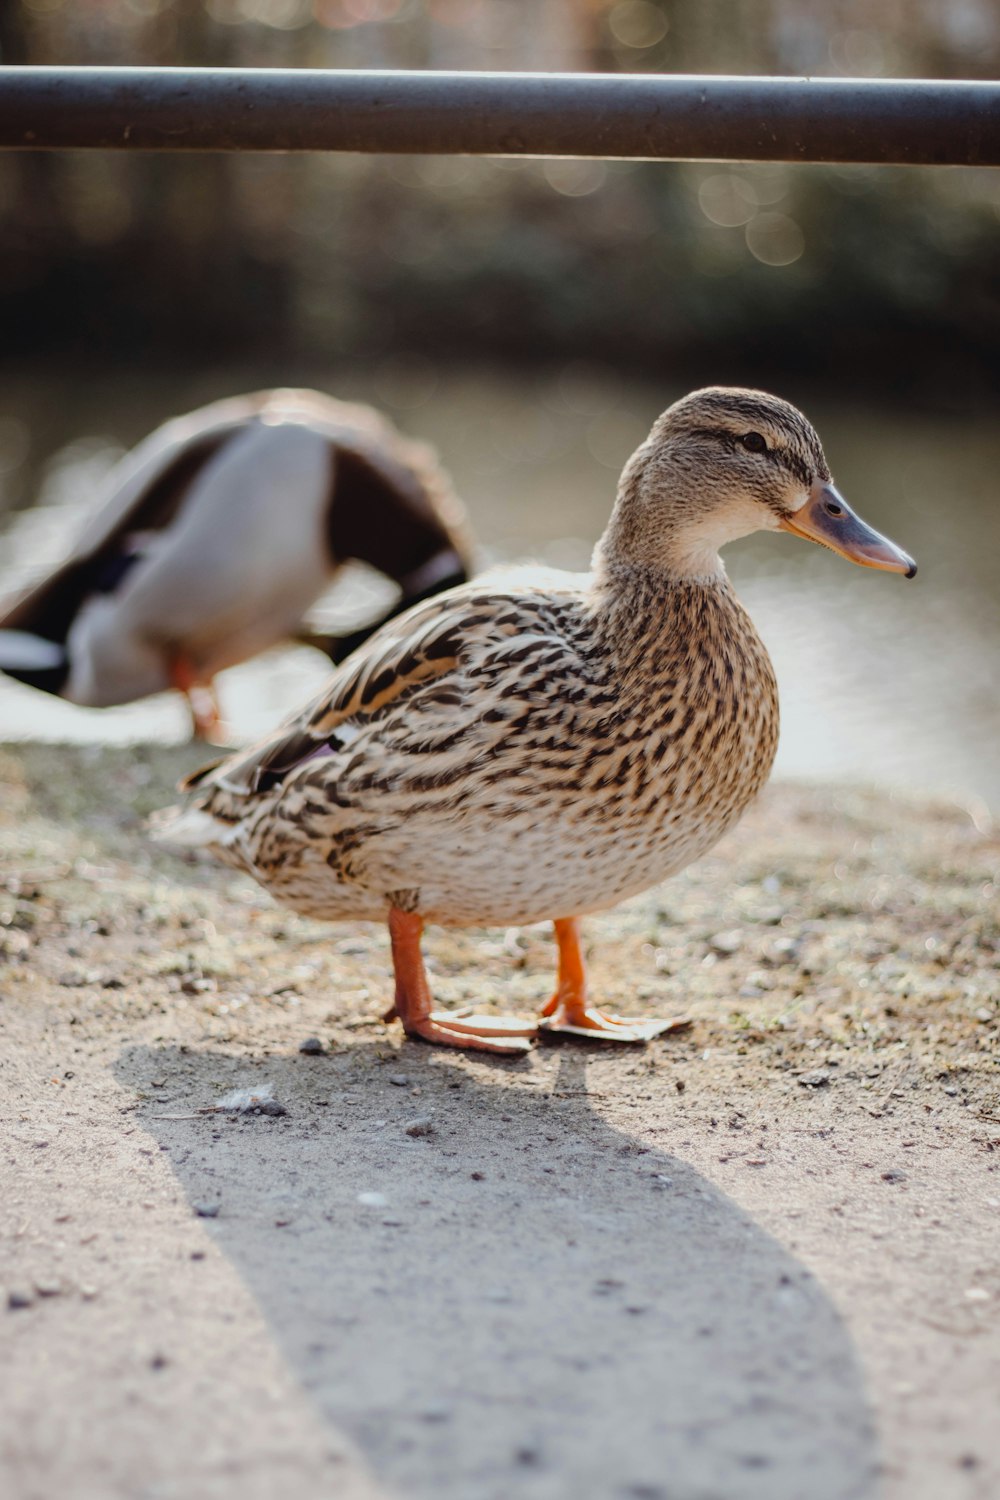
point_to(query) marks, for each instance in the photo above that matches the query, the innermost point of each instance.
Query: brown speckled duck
(218, 532)
(520, 752)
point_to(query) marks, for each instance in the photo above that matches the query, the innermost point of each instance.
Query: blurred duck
(525, 751)
(220, 530)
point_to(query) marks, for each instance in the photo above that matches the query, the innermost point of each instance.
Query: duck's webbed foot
(568, 1014)
(482, 1033)
(447, 1028)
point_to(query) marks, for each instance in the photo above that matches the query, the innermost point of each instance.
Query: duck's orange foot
(413, 1002)
(481, 1033)
(568, 1014)
(596, 1026)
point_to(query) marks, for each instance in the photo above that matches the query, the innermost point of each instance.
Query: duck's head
(721, 463)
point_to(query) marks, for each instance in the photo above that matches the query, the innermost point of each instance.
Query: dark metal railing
(650, 117)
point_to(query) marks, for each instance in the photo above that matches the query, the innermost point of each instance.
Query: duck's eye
(754, 442)
(832, 508)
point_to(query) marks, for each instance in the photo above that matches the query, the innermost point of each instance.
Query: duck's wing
(469, 655)
(403, 656)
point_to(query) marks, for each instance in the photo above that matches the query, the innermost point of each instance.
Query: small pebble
(423, 1126)
(207, 1210)
(48, 1288)
(726, 942)
(399, 1080)
(193, 986)
(312, 1046)
(258, 1101)
(817, 1079)
(373, 1200)
(894, 1175)
(19, 1297)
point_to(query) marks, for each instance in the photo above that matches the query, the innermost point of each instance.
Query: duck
(217, 534)
(527, 750)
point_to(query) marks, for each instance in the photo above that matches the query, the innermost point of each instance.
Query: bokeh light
(637, 23)
(727, 199)
(775, 239)
(575, 179)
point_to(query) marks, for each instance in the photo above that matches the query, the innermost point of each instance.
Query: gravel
(854, 1025)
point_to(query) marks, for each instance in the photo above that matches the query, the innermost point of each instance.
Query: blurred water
(881, 679)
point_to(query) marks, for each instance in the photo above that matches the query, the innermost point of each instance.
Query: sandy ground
(758, 1260)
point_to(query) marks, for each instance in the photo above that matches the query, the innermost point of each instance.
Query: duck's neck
(616, 574)
(675, 541)
(630, 583)
(656, 589)
(679, 639)
(645, 613)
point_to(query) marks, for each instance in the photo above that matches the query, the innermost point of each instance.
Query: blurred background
(531, 317)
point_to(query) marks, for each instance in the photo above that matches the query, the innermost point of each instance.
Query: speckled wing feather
(408, 651)
(448, 671)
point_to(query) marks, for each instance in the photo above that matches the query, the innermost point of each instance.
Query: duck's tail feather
(188, 783)
(190, 828)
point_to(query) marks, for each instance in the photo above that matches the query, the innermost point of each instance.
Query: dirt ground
(757, 1260)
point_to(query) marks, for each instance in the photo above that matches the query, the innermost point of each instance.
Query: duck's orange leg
(568, 1014)
(414, 1000)
(205, 717)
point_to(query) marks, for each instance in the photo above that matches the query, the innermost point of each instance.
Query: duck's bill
(827, 518)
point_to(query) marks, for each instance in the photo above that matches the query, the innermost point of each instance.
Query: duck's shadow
(521, 1303)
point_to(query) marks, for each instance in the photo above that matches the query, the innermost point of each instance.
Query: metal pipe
(645, 116)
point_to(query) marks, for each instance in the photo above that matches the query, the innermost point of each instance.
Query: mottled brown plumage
(538, 750)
